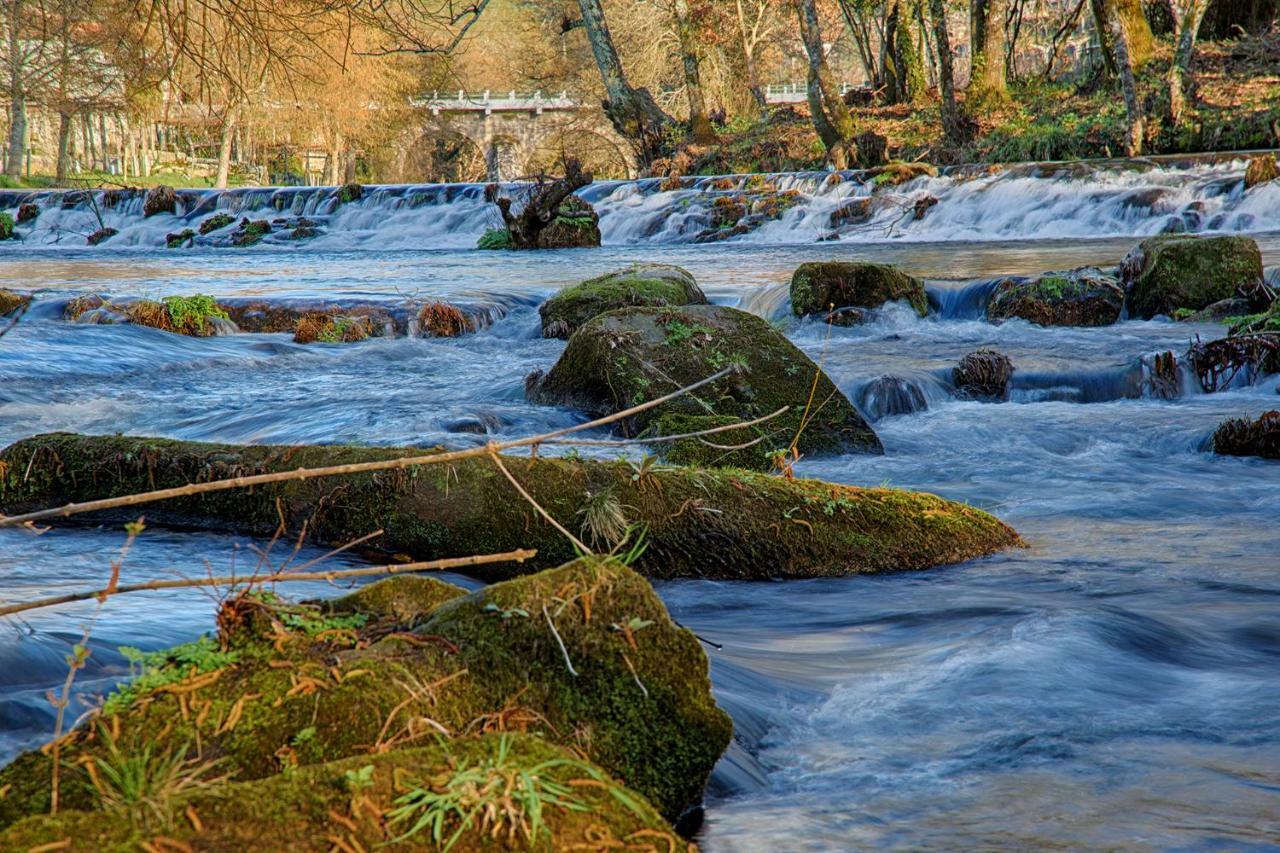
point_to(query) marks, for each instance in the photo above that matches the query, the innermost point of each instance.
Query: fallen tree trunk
(722, 523)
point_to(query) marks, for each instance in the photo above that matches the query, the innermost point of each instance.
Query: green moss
(180, 239)
(495, 238)
(1252, 324)
(722, 449)
(293, 696)
(400, 598)
(819, 286)
(216, 222)
(309, 807)
(6, 226)
(727, 524)
(350, 193)
(1170, 272)
(642, 284)
(192, 315)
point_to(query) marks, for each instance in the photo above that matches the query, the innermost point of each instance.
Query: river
(1114, 684)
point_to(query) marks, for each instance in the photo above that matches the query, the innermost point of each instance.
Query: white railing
(487, 102)
(794, 93)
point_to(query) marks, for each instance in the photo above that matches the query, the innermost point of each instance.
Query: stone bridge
(510, 128)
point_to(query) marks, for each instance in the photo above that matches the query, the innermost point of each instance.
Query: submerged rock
(333, 328)
(891, 395)
(983, 375)
(1164, 274)
(728, 524)
(1083, 297)
(584, 656)
(819, 286)
(1245, 437)
(28, 212)
(183, 238)
(160, 199)
(651, 285)
(625, 357)
(249, 232)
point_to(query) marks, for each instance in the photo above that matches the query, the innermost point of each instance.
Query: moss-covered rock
(350, 192)
(983, 375)
(728, 523)
(1247, 437)
(10, 301)
(326, 328)
(652, 285)
(250, 233)
(1083, 297)
(1261, 170)
(399, 599)
(630, 356)
(1163, 274)
(101, 236)
(521, 792)
(897, 173)
(216, 222)
(160, 199)
(179, 239)
(198, 315)
(819, 286)
(576, 226)
(584, 655)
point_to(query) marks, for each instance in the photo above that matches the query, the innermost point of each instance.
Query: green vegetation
(1079, 298)
(177, 241)
(6, 226)
(495, 238)
(151, 671)
(191, 315)
(1163, 274)
(216, 222)
(820, 286)
(654, 285)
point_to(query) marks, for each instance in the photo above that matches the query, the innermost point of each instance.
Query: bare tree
(757, 22)
(1119, 36)
(1187, 22)
(831, 118)
(686, 36)
(953, 123)
(28, 67)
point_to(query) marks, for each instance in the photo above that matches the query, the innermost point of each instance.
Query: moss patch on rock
(819, 286)
(1163, 274)
(216, 222)
(518, 790)
(160, 199)
(622, 358)
(301, 688)
(195, 315)
(1083, 297)
(10, 301)
(652, 285)
(724, 523)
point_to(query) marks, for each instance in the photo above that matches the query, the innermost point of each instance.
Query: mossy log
(584, 655)
(1164, 274)
(652, 285)
(819, 286)
(355, 801)
(698, 523)
(1083, 297)
(628, 356)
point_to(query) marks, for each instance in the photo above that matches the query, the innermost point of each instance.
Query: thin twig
(492, 448)
(497, 460)
(559, 641)
(517, 556)
(622, 442)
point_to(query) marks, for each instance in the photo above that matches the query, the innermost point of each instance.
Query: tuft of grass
(604, 521)
(496, 797)
(190, 315)
(143, 783)
(495, 238)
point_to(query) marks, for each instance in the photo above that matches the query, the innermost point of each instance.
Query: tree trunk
(699, 124)
(1133, 21)
(952, 121)
(224, 151)
(989, 67)
(1188, 29)
(64, 148)
(633, 112)
(827, 108)
(1124, 66)
(749, 58)
(335, 156)
(903, 74)
(17, 95)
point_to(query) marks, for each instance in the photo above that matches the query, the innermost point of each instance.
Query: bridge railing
(794, 93)
(490, 102)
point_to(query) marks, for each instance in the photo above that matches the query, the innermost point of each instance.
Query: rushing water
(1114, 684)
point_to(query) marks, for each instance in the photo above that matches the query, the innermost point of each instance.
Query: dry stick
(492, 448)
(622, 442)
(517, 556)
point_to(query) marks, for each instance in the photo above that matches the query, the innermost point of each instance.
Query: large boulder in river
(1083, 297)
(819, 286)
(1163, 274)
(160, 199)
(1245, 437)
(630, 356)
(651, 285)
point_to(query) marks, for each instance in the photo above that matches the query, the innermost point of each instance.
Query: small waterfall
(1118, 198)
(960, 301)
